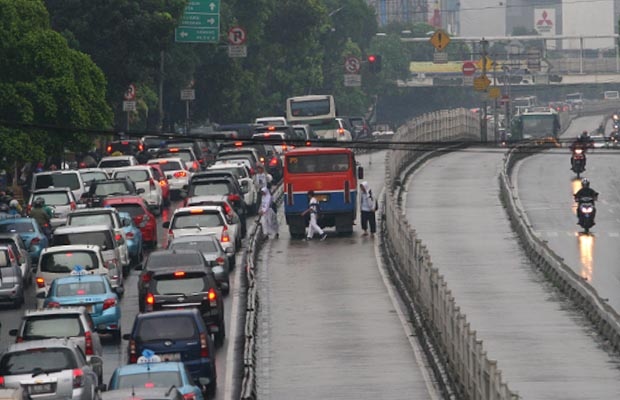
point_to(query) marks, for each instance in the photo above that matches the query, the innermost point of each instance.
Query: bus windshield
(538, 125)
(318, 163)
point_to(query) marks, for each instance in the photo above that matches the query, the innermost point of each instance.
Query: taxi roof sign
(440, 39)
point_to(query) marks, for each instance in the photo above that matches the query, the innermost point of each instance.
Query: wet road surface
(548, 202)
(327, 327)
(545, 349)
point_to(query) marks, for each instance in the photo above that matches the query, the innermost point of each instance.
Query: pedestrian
(261, 178)
(313, 209)
(269, 219)
(368, 207)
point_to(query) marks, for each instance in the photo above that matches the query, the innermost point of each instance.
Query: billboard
(545, 24)
(582, 19)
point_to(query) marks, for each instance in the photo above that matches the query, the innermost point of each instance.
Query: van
(64, 178)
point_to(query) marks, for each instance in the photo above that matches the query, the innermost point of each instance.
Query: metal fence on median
(475, 375)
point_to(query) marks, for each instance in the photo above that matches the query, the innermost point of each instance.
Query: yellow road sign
(440, 39)
(489, 63)
(494, 93)
(481, 83)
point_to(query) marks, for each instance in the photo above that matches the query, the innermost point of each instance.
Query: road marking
(232, 333)
(614, 234)
(417, 351)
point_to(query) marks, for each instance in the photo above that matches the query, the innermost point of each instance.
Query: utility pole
(484, 44)
(160, 123)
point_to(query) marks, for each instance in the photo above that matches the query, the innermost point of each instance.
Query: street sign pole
(187, 117)
(483, 123)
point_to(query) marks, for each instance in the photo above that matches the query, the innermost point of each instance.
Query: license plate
(170, 356)
(43, 388)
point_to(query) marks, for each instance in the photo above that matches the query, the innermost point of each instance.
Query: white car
(200, 220)
(107, 216)
(60, 261)
(109, 164)
(177, 173)
(144, 178)
(242, 173)
(60, 200)
(333, 130)
(58, 179)
(277, 121)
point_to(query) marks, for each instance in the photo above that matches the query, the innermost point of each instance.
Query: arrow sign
(212, 6)
(200, 22)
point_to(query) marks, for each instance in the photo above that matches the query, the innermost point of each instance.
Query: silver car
(51, 369)
(12, 283)
(21, 251)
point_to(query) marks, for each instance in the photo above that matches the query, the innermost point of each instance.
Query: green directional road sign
(200, 22)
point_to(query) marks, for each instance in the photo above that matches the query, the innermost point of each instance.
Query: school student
(313, 209)
(368, 207)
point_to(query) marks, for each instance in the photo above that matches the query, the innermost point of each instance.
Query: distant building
(479, 18)
(408, 11)
(584, 19)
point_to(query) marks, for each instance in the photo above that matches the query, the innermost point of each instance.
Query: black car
(129, 147)
(266, 155)
(189, 287)
(200, 147)
(360, 127)
(100, 190)
(165, 260)
(206, 185)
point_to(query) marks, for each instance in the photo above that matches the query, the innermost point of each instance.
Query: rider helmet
(14, 204)
(585, 183)
(39, 202)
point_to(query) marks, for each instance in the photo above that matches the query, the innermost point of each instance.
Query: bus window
(318, 163)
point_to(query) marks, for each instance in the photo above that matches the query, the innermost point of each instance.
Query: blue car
(30, 232)
(93, 292)
(176, 335)
(151, 372)
(133, 234)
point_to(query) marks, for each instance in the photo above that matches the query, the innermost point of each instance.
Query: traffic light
(374, 63)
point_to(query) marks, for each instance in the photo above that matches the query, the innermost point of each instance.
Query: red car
(160, 175)
(139, 211)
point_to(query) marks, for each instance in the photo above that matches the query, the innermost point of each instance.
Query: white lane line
(415, 346)
(232, 334)
(614, 234)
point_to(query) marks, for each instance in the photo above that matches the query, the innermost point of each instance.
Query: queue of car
(104, 222)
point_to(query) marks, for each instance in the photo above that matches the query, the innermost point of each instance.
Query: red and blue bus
(332, 174)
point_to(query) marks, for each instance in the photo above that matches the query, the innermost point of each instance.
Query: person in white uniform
(269, 219)
(313, 209)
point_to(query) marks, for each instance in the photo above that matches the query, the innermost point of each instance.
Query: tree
(44, 82)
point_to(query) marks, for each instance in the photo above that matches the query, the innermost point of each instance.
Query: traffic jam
(172, 211)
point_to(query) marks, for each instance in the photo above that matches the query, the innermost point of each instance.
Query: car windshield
(108, 188)
(53, 198)
(162, 379)
(170, 166)
(167, 327)
(42, 359)
(204, 246)
(52, 326)
(69, 180)
(66, 262)
(121, 162)
(209, 188)
(161, 260)
(93, 176)
(136, 175)
(171, 284)
(132, 209)
(16, 227)
(91, 219)
(204, 220)
(101, 238)
(79, 289)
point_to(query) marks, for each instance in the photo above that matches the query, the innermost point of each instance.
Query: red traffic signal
(374, 63)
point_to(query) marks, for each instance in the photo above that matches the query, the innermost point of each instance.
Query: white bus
(310, 109)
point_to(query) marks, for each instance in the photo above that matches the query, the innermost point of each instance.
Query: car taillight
(118, 237)
(146, 278)
(234, 197)
(225, 237)
(341, 131)
(284, 147)
(110, 302)
(262, 159)
(180, 174)
(196, 166)
(151, 183)
(150, 299)
(78, 378)
(308, 143)
(108, 149)
(220, 261)
(204, 348)
(163, 182)
(170, 234)
(72, 205)
(273, 162)
(129, 235)
(35, 241)
(88, 340)
(133, 357)
(189, 396)
(212, 296)
(53, 304)
(40, 283)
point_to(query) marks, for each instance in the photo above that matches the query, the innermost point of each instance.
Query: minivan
(65, 178)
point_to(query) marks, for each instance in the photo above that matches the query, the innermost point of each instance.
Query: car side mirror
(13, 332)
(127, 336)
(169, 176)
(229, 251)
(166, 224)
(140, 191)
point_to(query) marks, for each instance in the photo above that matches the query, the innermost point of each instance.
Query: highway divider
(450, 338)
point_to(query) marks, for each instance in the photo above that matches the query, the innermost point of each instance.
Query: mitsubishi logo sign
(544, 21)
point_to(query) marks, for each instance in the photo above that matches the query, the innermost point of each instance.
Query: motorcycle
(579, 161)
(585, 212)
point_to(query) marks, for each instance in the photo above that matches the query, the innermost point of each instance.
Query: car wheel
(212, 389)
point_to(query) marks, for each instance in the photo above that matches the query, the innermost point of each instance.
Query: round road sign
(130, 94)
(469, 68)
(352, 65)
(236, 36)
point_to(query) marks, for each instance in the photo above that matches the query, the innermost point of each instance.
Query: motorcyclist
(41, 215)
(15, 208)
(585, 192)
(582, 142)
